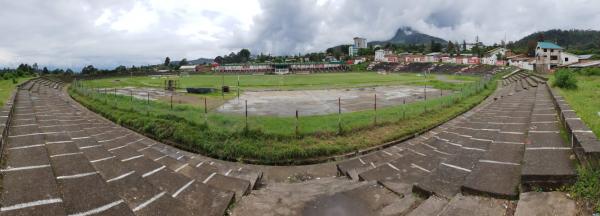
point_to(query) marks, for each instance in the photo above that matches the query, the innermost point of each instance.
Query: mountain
(576, 41)
(195, 62)
(407, 35)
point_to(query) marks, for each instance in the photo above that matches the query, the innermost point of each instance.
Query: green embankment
(585, 100)
(7, 87)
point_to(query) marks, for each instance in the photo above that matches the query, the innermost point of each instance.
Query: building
(547, 55)
(391, 58)
(380, 55)
(491, 57)
(568, 58)
(352, 51)
(433, 57)
(280, 68)
(188, 68)
(360, 43)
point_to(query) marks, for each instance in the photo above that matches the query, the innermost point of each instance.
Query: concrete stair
(78, 163)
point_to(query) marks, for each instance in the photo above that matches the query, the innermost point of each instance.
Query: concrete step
(475, 205)
(545, 203)
(432, 206)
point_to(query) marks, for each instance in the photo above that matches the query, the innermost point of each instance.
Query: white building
(568, 58)
(352, 51)
(188, 68)
(491, 57)
(548, 55)
(380, 55)
(360, 43)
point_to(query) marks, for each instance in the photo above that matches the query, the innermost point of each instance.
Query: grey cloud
(63, 32)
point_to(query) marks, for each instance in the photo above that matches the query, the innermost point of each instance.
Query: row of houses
(280, 68)
(547, 57)
(389, 57)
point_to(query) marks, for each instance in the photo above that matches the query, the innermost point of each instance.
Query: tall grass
(273, 140)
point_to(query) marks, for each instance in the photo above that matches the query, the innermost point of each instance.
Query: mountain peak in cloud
(407, 35)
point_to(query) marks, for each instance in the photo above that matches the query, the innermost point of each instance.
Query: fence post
(148, 98)
(296, 123)
(205, 112)
(425, 90)
(171, 101)
(339, 115)
(246, 113)
(403, 108)
(131, 94)
(375, 110)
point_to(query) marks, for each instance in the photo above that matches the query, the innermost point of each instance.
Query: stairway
(62, 159)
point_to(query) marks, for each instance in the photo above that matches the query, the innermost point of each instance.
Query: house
(547, 55)
(391, 58)
(568, 58)
(433, 57)
(414, 58)
(380, 54)
(491, 57)
(188, 68)
(474, 60)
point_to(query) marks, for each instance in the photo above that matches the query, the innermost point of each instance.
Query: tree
(243, 55)
(531, 45)
(218, 60)
(450, 48)
(540, 37)
(69, 71)
(121, 69)
(167, 61)
(90, 69)
(45, 71)
(183, 61)
(464, 45)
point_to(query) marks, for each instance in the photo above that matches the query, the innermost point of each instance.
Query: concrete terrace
(61, 159)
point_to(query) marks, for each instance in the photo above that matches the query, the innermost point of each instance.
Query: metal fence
(297, 125)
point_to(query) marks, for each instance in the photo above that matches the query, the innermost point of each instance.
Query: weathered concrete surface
(432, 206)
(545, 203)
(474, 205)
(326, 196)
(318, 102)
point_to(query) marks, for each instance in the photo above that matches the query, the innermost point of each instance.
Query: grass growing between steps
(587, 186)
(271, 140)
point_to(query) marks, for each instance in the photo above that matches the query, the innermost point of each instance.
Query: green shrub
(565, 79)
(587, 186)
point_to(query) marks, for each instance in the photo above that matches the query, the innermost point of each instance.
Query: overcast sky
(107, 33)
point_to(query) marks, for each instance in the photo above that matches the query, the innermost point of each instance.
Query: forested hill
(576, 41)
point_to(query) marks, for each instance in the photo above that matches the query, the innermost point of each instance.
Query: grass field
(585, 100)
(7, 87)
(289, 82)
(275, 140)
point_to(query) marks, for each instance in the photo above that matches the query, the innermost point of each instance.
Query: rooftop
(548, 45)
